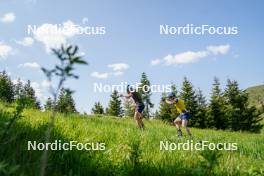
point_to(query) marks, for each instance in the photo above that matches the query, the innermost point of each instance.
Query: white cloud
(118, 73)
(33, 65)
(220, 49)
(27, 41)
(5, 50)
(184, 58)
(38, 91)
(8, 17)
(52, 35)
(118, 66)
(191, 56)
(46, 84)
(99, 75)
(156, 62)
(15, 81)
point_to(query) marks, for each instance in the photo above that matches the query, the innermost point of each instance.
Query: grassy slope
(256, 94)
(129, 151)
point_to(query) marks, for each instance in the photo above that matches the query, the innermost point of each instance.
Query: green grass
(129, 151)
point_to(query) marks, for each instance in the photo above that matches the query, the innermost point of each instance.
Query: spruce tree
(49, 105)
(114, 107)
(216, 110)
(18, 88)
(65, 103)
(241, 116)
(202, 109)
(129, 108)
(145, 92)
(7, 93)
(98, 108)
(29, 94)
(190, 98)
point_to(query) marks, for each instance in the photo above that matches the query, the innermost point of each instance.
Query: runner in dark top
(139, 105)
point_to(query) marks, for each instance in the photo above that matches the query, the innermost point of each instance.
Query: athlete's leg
(177, 123)
(138, 119)
(184, 125)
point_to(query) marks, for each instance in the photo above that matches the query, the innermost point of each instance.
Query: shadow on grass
(16, 156)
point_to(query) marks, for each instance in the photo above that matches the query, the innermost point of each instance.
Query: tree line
(11, 92)
(227, 109)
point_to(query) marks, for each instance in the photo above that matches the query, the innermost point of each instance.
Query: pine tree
(49, 105)
(202, 109)
(190, 98)
(240, 115)
(18, 88)
(98, 108)
(129, 108)
(216, 111)
(7, 92)
(65, 103)
(145, 91)
(29, 94)
(115, 108)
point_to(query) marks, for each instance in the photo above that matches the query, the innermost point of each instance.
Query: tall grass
(129, 151)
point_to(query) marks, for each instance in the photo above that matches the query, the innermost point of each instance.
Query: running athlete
(131, 93)
(182, 119)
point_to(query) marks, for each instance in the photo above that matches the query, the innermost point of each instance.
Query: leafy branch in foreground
(68, 58)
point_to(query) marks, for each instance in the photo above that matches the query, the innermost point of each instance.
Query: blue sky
(133, 39)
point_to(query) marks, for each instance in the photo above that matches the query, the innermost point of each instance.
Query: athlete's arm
(169, 101)
(126, 96)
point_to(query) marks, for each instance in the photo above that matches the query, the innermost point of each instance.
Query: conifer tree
(240, 115)
(145, 92)
(98, 108)
(29, 94)
(7, 92)
(49, 105)
(216, 110)
(202, 109)
(190, 98)
(115, 108)
(65, 103)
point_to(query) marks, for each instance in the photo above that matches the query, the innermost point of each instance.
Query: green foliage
(239, 114)
(201, 110)
(98, 108)
(129, 108)
(166, 111)
(188, 95)
(129, 151)
(65, 103)
(28, 93)
(216, 111)
(145, 92)
(226, 110)
(68, 58)
(7, 92)
(114, 107)
(50, 105)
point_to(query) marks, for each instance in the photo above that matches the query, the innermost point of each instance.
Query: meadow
(129, 151)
